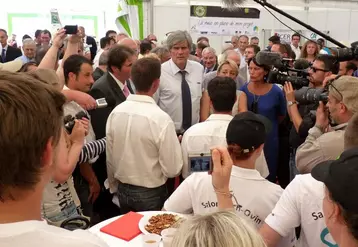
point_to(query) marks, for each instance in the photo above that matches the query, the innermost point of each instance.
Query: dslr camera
(69, 120)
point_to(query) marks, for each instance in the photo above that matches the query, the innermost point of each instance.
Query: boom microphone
(269, 58)
(301, 64)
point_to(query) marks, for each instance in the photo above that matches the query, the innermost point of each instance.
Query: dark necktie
(186, 99)
(3, 56)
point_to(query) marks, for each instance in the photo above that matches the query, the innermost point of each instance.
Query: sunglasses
(330, 85)
(317, 69)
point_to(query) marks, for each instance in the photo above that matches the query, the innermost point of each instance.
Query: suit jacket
(97, 73)
(105, 87)
(12, 53)
(92, 42)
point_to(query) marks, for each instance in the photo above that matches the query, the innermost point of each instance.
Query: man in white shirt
(295, 44)
(78, 76)
(143, 150)
(33, 148)
(180, 88)
(201, 137)
(106, 43)
(254, 196)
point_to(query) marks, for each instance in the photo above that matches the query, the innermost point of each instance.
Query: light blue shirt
(25, 59)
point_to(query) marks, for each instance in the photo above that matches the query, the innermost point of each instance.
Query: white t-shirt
(301, 204)
(256, 197)
(38, 233)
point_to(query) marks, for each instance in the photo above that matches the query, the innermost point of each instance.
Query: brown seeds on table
(160, 222)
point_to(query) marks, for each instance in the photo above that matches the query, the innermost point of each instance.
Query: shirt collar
(141, 98)
(175, 68)
(251, 174)
(340, 126)
(6, 46)
(120, 84)
(222, 117)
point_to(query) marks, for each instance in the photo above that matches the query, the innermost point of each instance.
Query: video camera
(282, 72)
(70, 120)
(347, 54)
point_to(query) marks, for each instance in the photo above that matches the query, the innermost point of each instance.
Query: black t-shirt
(308, 121)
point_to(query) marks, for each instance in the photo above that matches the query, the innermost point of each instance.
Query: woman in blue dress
(267, 100)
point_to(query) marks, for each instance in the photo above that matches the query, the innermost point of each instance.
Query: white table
(117, 242)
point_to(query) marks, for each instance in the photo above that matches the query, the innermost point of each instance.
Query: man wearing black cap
(254, 196)
(273, 40)
(340, 204)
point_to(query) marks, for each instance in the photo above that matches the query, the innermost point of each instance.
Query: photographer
(323, 141)
(301, 115)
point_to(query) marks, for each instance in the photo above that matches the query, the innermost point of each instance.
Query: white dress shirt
(96, 59)
(169, 97)
(201, 137)
(142, 146)
(297, 51)
(120, 84)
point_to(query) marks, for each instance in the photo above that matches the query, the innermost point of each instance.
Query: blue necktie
(3, 56)
(186, 98)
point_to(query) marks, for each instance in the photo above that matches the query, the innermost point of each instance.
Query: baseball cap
(248, 130)
(346, 87)
(340, 177)
(12, 66)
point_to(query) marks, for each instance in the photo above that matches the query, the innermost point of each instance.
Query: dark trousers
(83, 192)
(283, 169)
(137, 198)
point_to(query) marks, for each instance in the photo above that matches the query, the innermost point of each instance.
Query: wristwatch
(290, 103)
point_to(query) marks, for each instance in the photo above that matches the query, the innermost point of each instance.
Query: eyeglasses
(317, 69)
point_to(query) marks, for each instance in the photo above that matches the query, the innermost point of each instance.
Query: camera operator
(301, 115)
(323, 141)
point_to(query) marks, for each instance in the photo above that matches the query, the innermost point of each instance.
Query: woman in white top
(227, 68)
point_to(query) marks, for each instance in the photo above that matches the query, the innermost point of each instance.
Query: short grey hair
(103, 59)
(209, 50)
(28, 42)
(177, 37)
(226, 54)
(160, 51)
(219, 229)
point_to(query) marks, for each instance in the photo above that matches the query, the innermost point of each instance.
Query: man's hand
(289, 92)
(78, 132)
(328, 78)
(76, 38)
(322, 120)
(95, 189)
(59, 37)
(222, 165)
(86, 101)
(85, 122)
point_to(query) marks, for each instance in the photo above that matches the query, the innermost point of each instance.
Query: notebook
(125, 228)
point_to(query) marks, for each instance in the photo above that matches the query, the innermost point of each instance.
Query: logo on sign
(200, 11)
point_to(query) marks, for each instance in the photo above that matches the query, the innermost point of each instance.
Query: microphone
(105, 102)
(270, 58)
(301, 64)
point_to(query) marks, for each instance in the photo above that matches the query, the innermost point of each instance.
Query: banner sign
(224, 26)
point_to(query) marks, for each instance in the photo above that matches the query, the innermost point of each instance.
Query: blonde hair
(152, 55)
(230, 63)
(219, 229)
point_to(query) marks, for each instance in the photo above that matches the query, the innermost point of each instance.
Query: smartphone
(71, 29)
(200, 163)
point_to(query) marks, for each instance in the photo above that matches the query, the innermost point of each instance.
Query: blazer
(97, 73)
(11, 53)
(92, 42)
(105, 87)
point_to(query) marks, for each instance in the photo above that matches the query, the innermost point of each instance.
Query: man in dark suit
(7, 53)
(114, 86)
(90, 41)
(102, 66)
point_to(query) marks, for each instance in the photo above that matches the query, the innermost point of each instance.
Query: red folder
(126, 227)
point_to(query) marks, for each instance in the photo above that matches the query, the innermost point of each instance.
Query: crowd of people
(88, 134)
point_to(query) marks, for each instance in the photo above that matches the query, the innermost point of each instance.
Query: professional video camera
(70, 120)
(308, 95)
(347, 54)
(282, 72)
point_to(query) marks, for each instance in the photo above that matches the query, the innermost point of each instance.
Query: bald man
(130, 43)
